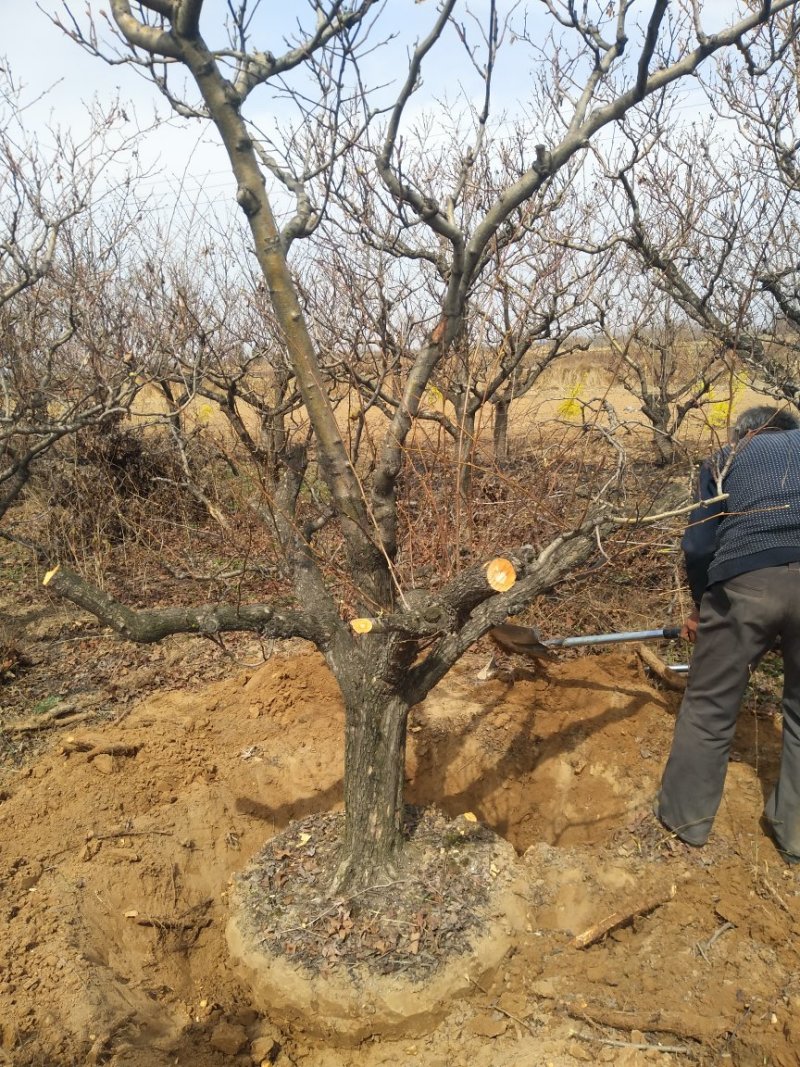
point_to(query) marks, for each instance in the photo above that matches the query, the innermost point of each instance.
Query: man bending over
(743, 564)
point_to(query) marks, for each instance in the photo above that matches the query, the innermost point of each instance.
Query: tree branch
(148, 38)
(147, 626)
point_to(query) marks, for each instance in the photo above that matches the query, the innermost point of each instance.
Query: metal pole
(666, 632)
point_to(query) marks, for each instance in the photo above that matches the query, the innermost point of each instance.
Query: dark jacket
(759, 523)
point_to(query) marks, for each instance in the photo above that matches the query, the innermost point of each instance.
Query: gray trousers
(739, 621)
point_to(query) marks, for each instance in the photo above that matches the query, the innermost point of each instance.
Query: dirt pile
(118, 858)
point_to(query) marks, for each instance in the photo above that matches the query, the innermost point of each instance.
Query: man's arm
(700, 536)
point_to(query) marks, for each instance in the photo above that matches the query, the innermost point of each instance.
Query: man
(743, 564)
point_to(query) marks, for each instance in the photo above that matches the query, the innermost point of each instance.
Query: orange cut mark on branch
(438, 331)
(51, 574)
(500, 574)
(361, 626)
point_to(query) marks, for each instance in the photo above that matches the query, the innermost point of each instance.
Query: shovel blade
(519, 640)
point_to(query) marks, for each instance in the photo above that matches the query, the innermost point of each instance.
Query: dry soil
(117, 858)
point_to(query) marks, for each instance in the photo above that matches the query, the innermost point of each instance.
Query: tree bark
(465, 450)
(374, 771)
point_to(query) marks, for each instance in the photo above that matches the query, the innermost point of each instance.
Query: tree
(666, 362)
(526, 308)
(48, 390)
(588, 80)
(711, 209)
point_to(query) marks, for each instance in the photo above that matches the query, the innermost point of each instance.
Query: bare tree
(414, 636)
(710, 208)
(671, 366)
(47, 193)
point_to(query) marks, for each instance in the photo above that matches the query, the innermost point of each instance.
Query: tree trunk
(666, 449)
(465, 451)
(273, 431)
(374, 771)
(501, 408)
(658, 412)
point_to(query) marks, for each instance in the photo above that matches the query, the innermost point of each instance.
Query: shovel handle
(666, 632)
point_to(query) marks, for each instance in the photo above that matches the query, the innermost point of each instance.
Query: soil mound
(386, 960)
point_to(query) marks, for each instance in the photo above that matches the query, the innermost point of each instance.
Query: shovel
(525, 641)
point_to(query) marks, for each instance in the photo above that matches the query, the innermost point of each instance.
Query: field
(136, 783)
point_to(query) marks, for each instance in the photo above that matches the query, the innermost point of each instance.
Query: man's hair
(764, 418)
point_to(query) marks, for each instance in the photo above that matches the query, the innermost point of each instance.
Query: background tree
(665, 361)
(50, 387)
(710, 208)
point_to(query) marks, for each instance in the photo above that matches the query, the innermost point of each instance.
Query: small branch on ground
(63, 716)
(495, 1006)
(196, 918)
(703, 947)
(660, 669)
(643, 1046)
(116, 834)
(659, 1022)
(94, 748)
(620, 918)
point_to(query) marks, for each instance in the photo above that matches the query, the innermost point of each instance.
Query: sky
(66, 81)
(43, 59)
(187, 154)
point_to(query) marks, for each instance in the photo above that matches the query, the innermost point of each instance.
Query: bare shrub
(108, 484)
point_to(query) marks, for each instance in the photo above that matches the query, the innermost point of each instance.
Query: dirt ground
(121, 833)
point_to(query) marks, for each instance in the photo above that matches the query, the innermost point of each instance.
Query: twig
(634, 520)
(106, 837)
(784, 906)
(600, 548)
(513, 1018)
(174, 924)
(131, 833)
(680, 1050)
(496, 1007)
(619, 919)
(704, 946)
(91, 635)
(62, 716)
(193, 919)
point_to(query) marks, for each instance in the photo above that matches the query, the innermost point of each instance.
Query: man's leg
(738, 621)
(783, 807)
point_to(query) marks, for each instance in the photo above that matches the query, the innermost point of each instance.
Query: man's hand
(689, 628)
